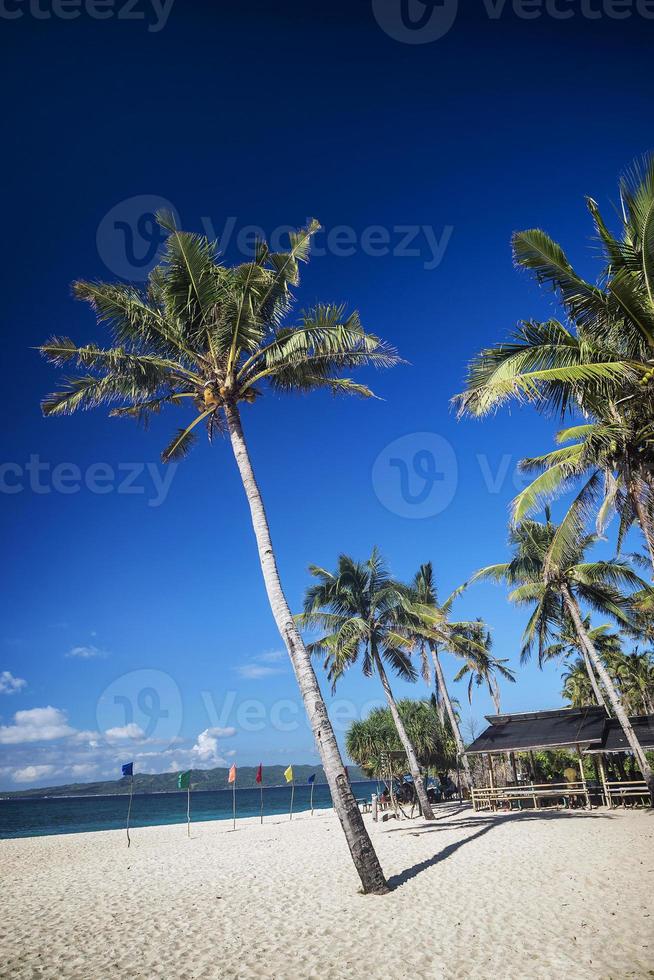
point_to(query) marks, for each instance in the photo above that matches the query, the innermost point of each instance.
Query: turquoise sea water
(36, 817)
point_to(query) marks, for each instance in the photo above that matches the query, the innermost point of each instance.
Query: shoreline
(163, 792)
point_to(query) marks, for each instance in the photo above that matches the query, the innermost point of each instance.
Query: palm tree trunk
(361, 849)
(620, 713)
(407, 744)
(440, 701)
(456, 731)
(641, 514)
(597, 691)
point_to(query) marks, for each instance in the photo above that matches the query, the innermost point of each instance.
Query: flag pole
(234, 804)
(292, 795)
(129, 808)
(261, 789)
(188, 809)
(311, 799)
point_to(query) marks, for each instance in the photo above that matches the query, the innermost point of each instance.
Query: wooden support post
(583, 778)
(605, 789)
(532, 766)
(491, 775)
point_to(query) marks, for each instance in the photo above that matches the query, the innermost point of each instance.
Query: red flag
(260, 773)
(232, 775)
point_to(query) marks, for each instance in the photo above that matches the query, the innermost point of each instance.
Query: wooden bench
(619, 791)
(490, 797)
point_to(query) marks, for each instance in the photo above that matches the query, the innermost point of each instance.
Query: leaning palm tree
(212, 338)
(427, 624)
(602, 367)
(549, 571)
(359, 608)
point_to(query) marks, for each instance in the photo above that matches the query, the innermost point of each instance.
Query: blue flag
(128, 769)
(312, 778)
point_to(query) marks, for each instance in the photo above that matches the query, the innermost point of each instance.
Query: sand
(554, 894)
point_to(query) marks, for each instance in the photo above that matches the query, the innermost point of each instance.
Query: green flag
(184, 780)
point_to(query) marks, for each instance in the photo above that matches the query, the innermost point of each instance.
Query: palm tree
(426, 623)
(370, 741)
(620, 446)
(360, 608)
(577, 688)
(634, 678)
(481, 668)
(568, 645)
(549, 571)
(602, 368)
(212, 337)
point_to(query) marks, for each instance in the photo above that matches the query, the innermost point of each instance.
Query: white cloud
(255, 672)
(272, 657)
(83, 769)
(125, 731)
(32, 773)
(36, 725)
(88, 652)
(205, 750)
(262, 666)
(10, 684)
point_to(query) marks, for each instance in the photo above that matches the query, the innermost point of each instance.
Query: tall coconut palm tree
(602, 368)
(427, 624)
(212, 338)
(549, 571)
(359, 607)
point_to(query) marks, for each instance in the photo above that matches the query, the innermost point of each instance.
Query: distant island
(166, 782)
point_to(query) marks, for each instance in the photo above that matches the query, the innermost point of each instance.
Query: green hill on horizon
(166, 782)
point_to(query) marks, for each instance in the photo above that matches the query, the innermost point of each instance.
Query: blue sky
(134, 610)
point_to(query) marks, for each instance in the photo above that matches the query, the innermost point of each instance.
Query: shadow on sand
(481, 824)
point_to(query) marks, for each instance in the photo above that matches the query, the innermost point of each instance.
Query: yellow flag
(289, 774)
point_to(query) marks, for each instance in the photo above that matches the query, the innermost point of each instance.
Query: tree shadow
(485, 823)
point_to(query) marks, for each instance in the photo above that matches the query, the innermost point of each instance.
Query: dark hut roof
(542, 730)
(614, 739)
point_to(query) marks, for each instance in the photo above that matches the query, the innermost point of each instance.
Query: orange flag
(232, 775)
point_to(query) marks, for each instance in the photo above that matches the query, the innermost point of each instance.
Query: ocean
(38, 816)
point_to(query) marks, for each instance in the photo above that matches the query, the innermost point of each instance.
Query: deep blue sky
(264, 113)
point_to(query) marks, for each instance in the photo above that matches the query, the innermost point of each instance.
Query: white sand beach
(554, 894)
